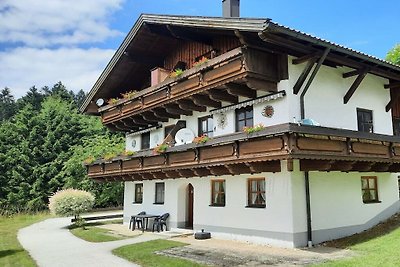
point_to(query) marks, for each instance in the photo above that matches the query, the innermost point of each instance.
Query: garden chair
(160, 221)
(134, 221)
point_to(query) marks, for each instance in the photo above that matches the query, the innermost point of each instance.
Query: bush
(71, 202)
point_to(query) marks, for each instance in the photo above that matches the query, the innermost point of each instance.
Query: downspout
(308, 209)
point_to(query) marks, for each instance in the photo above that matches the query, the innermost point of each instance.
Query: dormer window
(364, 120)
(244, 118)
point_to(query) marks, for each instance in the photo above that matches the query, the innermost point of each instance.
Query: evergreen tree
(7, 104)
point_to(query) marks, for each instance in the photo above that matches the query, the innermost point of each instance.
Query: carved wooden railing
(234, 65)
(317, 149)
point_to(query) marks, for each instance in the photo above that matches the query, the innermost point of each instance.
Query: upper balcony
(316, 149)
(239, 72)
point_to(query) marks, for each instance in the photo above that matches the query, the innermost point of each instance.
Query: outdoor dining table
(145, 219)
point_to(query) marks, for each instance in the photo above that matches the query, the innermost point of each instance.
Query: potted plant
(160, 149)
(176, 73)
(256, 128)
(201, 139)
(89, 160)
(202, 60)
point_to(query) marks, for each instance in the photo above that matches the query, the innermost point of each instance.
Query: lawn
(143, 254)
(379, 246)
(11, 251)
(92, 233)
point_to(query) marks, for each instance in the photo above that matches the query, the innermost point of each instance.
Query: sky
(43, 42)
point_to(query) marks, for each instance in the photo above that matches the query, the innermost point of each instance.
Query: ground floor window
(160, 189)
(256, 192)
(218, 193)
(138, 193)
(369, 187)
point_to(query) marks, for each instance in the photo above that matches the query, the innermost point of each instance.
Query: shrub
(71, 202)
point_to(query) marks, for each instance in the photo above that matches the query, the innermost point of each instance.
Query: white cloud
(76, 68)
(56, 22)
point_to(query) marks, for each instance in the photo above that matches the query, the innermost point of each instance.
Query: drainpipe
(308, 208)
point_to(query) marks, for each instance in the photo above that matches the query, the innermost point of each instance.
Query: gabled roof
(195, 22)
(119, 71)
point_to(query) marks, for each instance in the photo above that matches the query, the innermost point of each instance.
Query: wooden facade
(235, 73)
(316, 148)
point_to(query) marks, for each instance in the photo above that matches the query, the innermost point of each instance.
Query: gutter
(308, 209)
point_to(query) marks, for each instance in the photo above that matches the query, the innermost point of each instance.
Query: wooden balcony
(239, 72)
(316, 148)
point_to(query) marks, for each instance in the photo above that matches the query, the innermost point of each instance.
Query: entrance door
(190, 198)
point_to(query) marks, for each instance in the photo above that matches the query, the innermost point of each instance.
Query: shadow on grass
(380, 229)
(8, 252)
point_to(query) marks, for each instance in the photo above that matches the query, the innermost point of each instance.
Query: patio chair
(136, 221)
(160, 221)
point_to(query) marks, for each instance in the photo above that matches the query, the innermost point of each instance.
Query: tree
(7, 104)
(394, 55)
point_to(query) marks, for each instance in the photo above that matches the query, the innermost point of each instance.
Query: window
(244, 118)
(364, 120)
(160, 188)
(206, 126)
(145, 141)
(398, 183)
(369, 187)
(256, 192)
(218, 193)
(138, 193)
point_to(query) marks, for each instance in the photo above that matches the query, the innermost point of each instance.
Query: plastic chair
(160, 221)
(135, 221)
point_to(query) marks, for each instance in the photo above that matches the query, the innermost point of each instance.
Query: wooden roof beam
(355, 85)
(218, 95)
(363, 166)
(241, 90)
(394, 97)
(144, 59)
(138, 120)
(393, 85)
(305, 58)
(202, 172)
(162, 112)
(205, 100)
(181, 33)
(186, 173)
(219, 170)
(239, 168)
(351, 73)
(188, 104)
(304, 74)
(150, 116)
(175, 109)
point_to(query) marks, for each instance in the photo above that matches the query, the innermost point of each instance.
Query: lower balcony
(316, 148)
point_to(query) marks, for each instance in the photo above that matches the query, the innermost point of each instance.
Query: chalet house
(320, 152)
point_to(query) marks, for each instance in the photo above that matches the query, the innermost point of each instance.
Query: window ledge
(158, 203)
(216, 205)
(256, 207)
(372, 202)
(137, 202)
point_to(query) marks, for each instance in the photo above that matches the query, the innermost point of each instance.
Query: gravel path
(51, 244)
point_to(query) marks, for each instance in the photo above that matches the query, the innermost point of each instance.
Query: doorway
(190, 202)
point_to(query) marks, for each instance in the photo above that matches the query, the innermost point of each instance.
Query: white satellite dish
(184, 136)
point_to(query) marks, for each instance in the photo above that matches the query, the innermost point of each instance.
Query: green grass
(92, 233)
(143, 254)
(11, 251)
(379, 246)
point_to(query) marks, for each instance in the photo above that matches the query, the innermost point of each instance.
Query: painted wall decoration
(222, 121)
(268, 111)
(133, 143)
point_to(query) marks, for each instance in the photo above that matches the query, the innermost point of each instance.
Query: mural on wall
(222, 121)
(268, 111)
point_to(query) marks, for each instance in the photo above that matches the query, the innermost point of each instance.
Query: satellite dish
(100, 102)
(184, 136)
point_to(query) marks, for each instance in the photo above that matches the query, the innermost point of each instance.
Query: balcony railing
(317, 149)
(192, 89)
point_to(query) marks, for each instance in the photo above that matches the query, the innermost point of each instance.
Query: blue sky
(42, 42)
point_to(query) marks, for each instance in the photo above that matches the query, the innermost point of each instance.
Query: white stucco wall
(336, 203)
(324, 99)
(270, 225)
